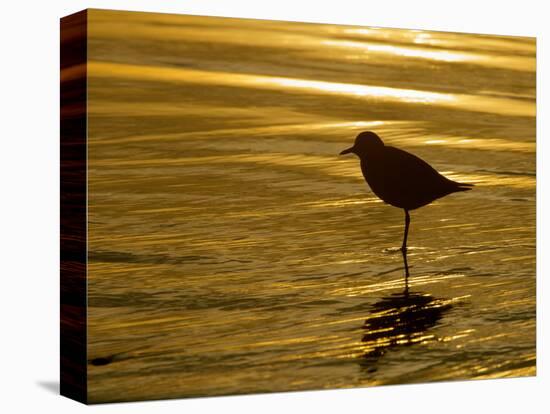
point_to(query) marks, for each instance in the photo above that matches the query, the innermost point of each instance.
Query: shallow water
(231, 250)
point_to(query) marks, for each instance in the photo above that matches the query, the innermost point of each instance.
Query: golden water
(232, 251)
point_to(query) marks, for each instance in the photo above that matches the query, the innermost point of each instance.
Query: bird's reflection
(400, 319)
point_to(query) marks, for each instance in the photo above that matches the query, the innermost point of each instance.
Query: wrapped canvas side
(73, 87)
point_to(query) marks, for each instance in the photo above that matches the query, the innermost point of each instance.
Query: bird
(400, 178)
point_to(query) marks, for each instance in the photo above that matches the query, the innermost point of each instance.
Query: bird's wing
(411, 177)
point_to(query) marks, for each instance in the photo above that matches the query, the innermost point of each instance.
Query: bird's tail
(463, 187)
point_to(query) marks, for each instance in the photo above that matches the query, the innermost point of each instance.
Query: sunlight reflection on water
(459, 101)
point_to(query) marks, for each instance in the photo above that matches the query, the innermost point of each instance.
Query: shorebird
(399, 178)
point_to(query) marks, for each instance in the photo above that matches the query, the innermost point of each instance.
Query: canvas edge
(73, 206)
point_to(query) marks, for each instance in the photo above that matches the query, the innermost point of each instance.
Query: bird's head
(365, 142)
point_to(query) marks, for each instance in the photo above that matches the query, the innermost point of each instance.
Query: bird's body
(399, 178)
(404, 180)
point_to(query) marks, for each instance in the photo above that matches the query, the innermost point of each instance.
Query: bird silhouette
(399, 178)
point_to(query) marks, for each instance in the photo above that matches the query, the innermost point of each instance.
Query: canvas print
(254, 206)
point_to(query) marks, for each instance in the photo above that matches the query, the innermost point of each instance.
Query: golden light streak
(318, 42)
(446, 40)
(414, 52)
(372, 49)
(487, 144)
(365, 92)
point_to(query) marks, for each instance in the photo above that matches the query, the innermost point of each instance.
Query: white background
(29, 205)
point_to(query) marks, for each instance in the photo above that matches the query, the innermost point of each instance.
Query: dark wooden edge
(73, 127)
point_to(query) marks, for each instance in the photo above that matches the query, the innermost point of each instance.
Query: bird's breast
(374, 176)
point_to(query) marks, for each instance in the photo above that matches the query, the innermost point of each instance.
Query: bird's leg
(406, 271)
(404, 251)
(407, 222)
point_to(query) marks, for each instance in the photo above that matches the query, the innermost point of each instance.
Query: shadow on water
(398, 320)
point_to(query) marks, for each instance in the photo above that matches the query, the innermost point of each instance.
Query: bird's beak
(347, 151)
